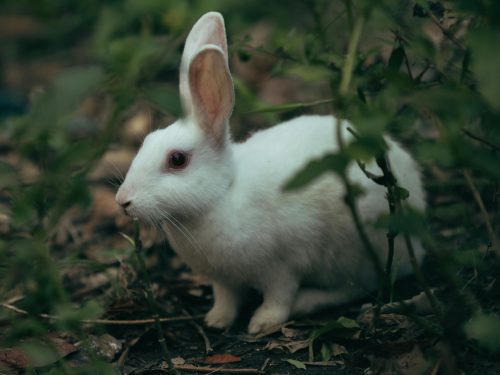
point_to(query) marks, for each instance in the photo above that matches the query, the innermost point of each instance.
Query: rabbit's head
(183, 169)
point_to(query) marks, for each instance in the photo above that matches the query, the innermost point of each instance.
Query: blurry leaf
(422, 10)
(243, 55)
(485, 62)
(309, 73)
(165, 97)
(466, 257)
(65, 94)
(297, 364)
(410, 222)
(38, 354)
(396, 58)
(366, 147)
(465, 65)
(485, 328)
(290, 106)
(403, 193)
(8, 175)
(135, 57)
(315, 168)
(70, 317)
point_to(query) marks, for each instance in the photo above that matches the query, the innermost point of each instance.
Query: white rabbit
(223, 206)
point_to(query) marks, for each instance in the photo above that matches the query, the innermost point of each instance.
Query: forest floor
(349, 340)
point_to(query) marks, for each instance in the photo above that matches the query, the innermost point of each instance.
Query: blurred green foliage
(420, 65)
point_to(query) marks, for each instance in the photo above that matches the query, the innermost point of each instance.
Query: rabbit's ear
(212, 93)
(209, 29)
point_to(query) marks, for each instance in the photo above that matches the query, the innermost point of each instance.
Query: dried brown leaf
(220, 359)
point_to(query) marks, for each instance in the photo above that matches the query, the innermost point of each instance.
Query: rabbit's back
(311, 228)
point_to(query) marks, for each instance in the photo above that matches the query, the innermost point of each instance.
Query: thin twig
(479, 139)
(201, 331)
(351, 204)
(388, 180)
(420, 276)
(445, 32)
(111, 322)
(264, 365)
(323, 363)
(484, 213)
(213, 370)
(350, 196)
(290, 106)
(150, 297)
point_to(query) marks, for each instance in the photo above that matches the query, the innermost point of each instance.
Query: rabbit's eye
(177, 160)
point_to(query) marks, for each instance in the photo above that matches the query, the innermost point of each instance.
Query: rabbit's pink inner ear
(212, 92)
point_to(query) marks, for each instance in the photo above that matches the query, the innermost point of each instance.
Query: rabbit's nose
(125, 205)
(123, 200)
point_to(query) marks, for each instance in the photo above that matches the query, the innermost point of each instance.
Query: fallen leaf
(105, 346)
(338, 350)
(220, 359)
(36, 354)
(290, 332)
(298, 364)
(291, 345)
(178, 361)
(412, 362)
(14, 357)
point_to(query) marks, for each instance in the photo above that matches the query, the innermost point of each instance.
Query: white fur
(226, 215)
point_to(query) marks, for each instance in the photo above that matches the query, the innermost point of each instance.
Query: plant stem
(349, 189)
(484, 213)
(150, 297)
(351, 204)
(351, 56)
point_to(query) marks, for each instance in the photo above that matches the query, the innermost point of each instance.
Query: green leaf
(410, 222)
(396, 58)
(128, 238)
(315, 168)
(243, 55)
(342, 327)
(485, 329)
(309, 73)
(290, 106)
(485, 63)
(163, 96)
(326, 353)
(403, 193)
(8, 175)
(297, 364)
(39, 354)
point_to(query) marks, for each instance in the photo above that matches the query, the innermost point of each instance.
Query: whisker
(181, 228)
(117, 173)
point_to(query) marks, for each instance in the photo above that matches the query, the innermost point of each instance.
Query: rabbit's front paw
(220, 316)
(267, 317)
